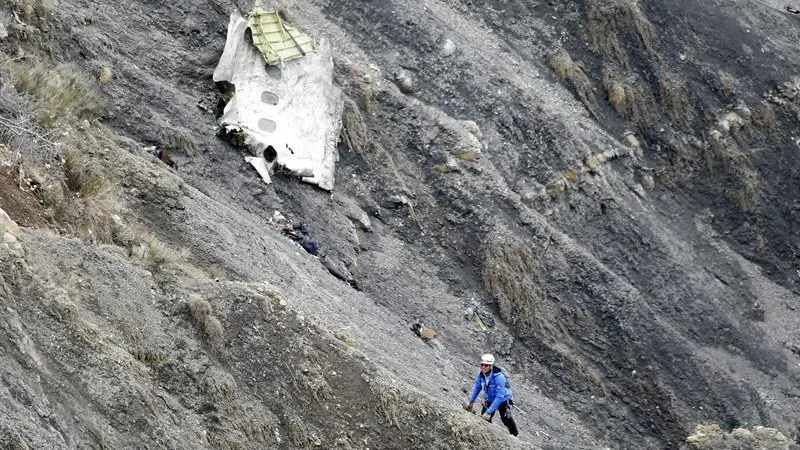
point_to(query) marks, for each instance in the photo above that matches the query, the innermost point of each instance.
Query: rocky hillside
(603, 193)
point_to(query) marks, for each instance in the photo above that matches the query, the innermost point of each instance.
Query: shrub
(573, 72)
(630, 98)
(608, 22)
(200, 310)
(85, 201)
(155, 254)
(764, 118)
(181, 139)
(354, 130)
(212, 328)
(675, 97)
(105, 76)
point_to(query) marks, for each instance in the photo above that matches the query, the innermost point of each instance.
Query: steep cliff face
(612, 183)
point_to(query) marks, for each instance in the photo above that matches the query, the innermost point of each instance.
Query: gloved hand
(468, 406)
(486, 417)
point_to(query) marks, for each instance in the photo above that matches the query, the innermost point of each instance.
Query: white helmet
(487, 359)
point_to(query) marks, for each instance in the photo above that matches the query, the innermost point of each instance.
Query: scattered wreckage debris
(425, 333)
(162, 154)
(483, 319)
(287, 114)
(338, 269)
(300, 234)
(277, 40)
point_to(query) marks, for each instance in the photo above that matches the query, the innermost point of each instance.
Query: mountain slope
(609, 180)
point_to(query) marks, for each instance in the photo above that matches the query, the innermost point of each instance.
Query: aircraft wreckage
(282, 104)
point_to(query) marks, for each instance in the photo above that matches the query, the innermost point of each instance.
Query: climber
(496, 394)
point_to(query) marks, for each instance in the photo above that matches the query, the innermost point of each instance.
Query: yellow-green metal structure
(277, 40)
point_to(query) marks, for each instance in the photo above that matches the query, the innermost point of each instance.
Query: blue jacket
(495, 392)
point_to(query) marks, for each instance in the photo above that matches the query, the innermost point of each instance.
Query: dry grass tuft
(344, 339)
(675, 97)
(63, 310)
(618, 96)
(741, 180)
(575, 73)
(760, 247)
(764, 118)
(746, 190)
(630, 99)
(243, 425)
(511, 277)
(392, 402)
(149, 355)
(155, 255)
(724, 84)
(200, 310)
(219, 385)
(570, 175)
(301, 434)
(608, 23)
(85, 201)
(62, 93)
(105, 76)
(358, 138)
(465, 154)
(10, 440)
(368, 100)
(181, 139)
(464, 429)
(212, 328)
(214, 271)
(46, 121)
(354, 129)
(31, 18)
(28, 10)
(81, 178)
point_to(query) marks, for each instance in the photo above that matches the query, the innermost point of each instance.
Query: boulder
(404, 81)
(359, 217)
(10, 233)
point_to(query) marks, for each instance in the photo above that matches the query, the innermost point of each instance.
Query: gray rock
(10, 234)
(404, 81)
(397, 201)
(448, 48)
(337, 268)
(359, 218)
(743, 111)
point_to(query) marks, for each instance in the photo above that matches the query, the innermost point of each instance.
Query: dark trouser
(505, 416)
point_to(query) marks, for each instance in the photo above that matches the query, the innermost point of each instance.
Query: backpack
(505, 374)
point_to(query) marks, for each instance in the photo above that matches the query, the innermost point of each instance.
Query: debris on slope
(425, 333)
(592, 322)
(288, 115)
(114, 374)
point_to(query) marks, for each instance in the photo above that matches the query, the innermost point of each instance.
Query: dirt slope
(612, 182)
